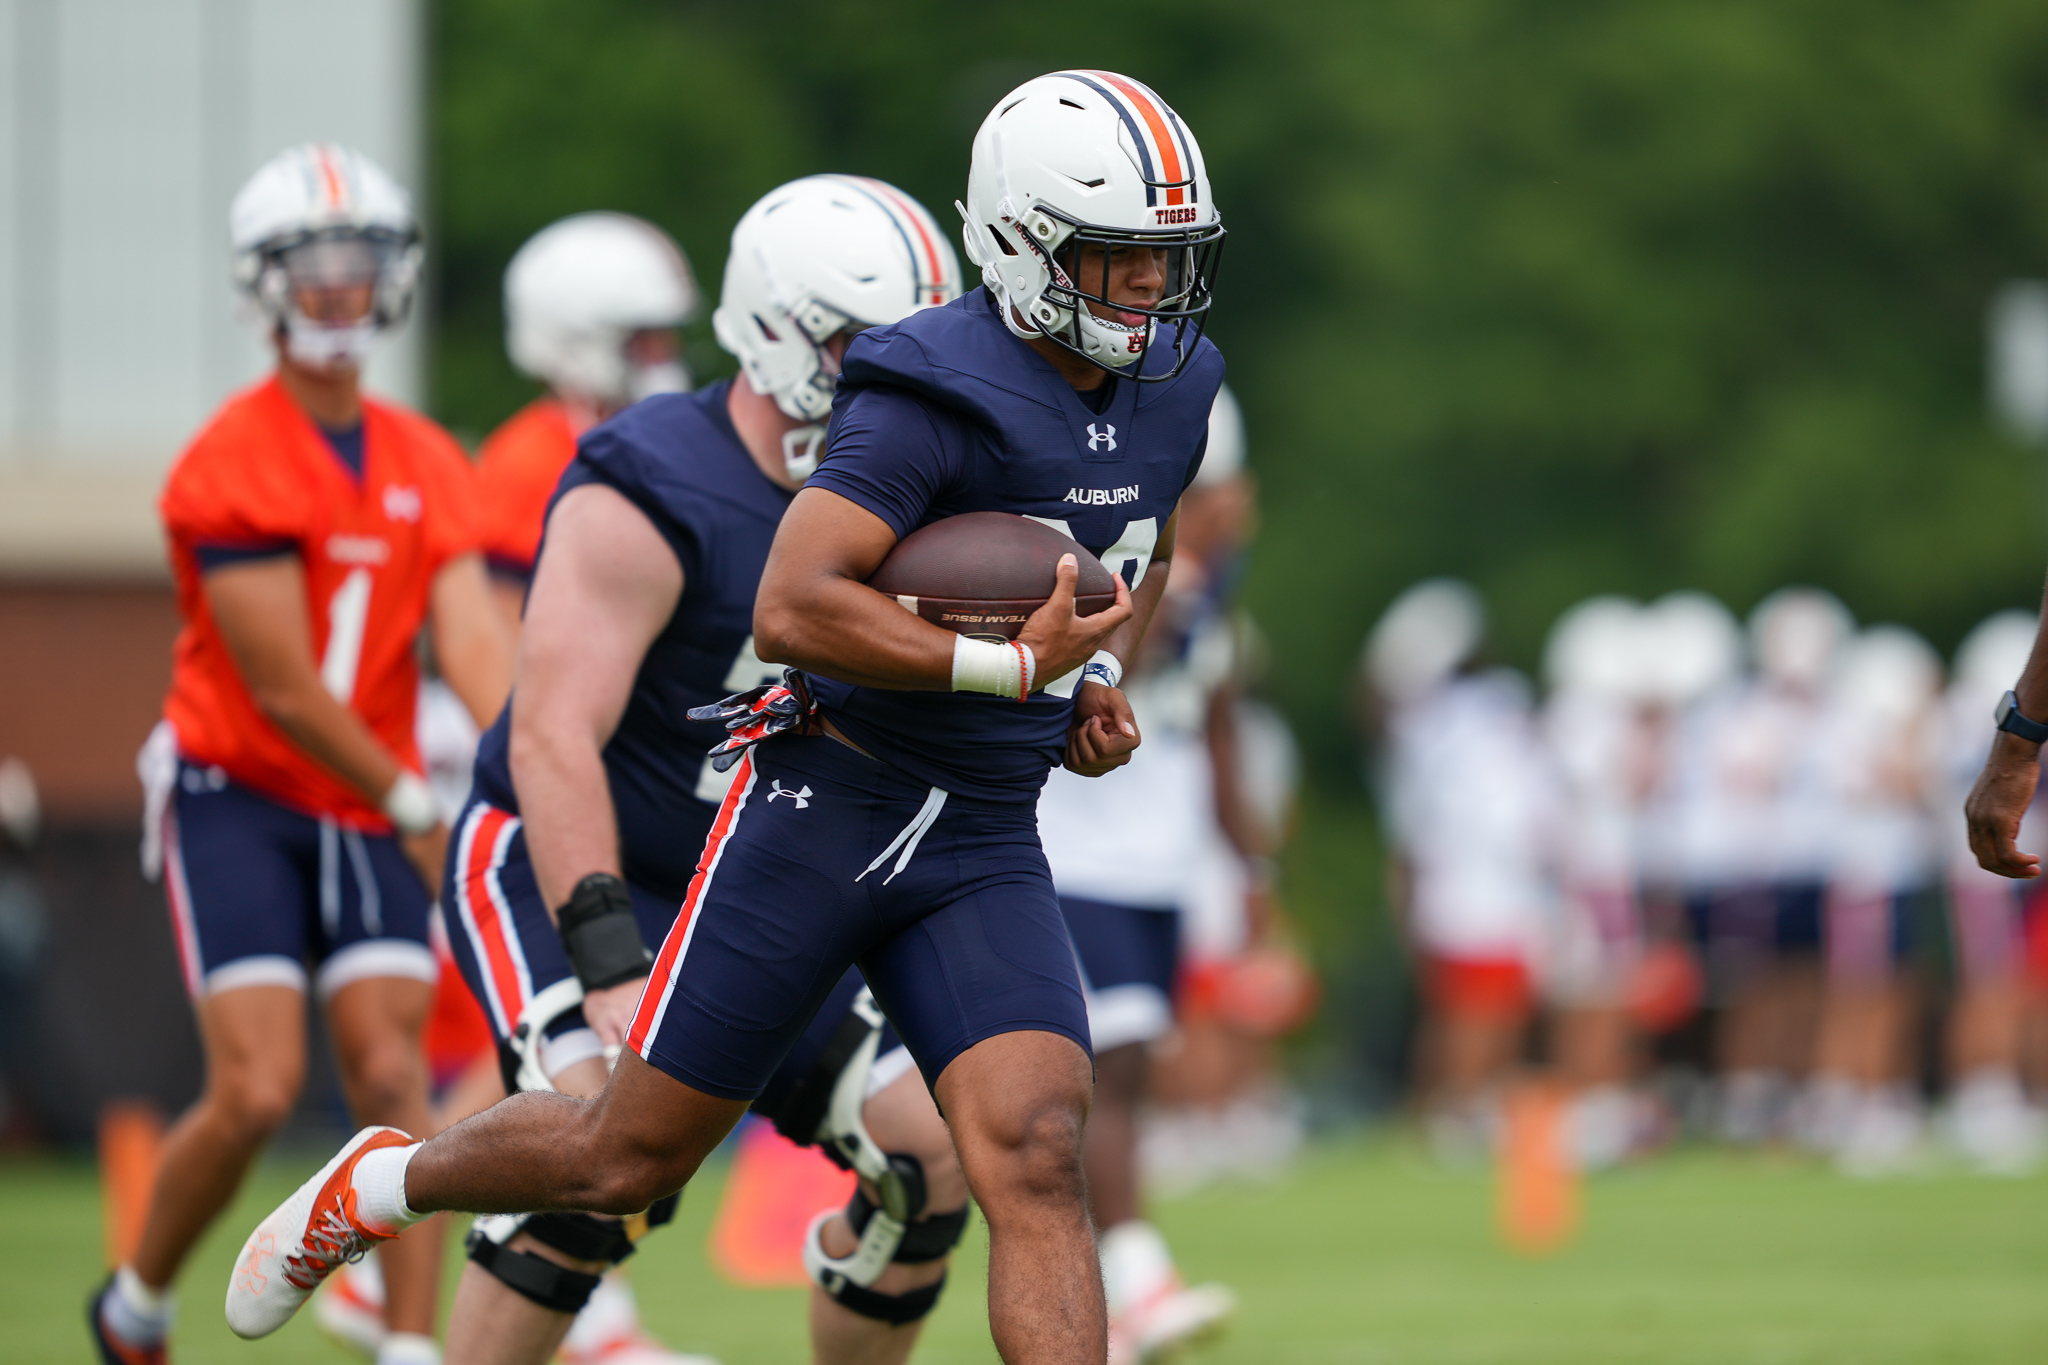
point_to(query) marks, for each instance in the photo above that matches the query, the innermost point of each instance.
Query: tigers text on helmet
(1090, 159)
(815, 257)
(326, 249)
(580, 289)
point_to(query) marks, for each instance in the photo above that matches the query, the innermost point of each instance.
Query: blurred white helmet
(324, 220)
(815, 256)
(1090, 158)
(1691, 645)
(1224, 459)
(1795, 634)
(577, 292)
(1426, 634)
(1885, 676)
(1991, 658)
(1597, 648)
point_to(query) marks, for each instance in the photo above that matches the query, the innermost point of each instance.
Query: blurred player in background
(1124, 850)
(1990, 1120)
(314, 532)
(1604, 745)
(1759, 920)
(593, 794)
(1881, 742)
(592, 304)
(1470, 805)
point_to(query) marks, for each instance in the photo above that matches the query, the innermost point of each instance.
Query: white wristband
(1104, 668)
(1006, 670)
(410, 805)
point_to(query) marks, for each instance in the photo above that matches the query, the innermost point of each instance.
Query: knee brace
(585, 1236)
(885, 1237)
(519, 1055)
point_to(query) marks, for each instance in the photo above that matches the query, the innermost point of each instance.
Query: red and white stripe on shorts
(661, 983)
(184, 928)
(486, 915)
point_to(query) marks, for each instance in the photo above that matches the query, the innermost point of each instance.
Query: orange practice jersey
(261, 474)
(517, 471)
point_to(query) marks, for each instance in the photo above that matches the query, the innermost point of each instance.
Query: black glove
(602, 934)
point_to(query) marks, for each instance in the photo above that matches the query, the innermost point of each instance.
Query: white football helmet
(1597, 648)
(815, 257)
(321, 218)
(1091, 158)
(1992, 657)
(1795, 635)
(577, 292)
(1424, 636)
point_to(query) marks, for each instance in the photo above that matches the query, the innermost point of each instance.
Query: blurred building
(126, 126)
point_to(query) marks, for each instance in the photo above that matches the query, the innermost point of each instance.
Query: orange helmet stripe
(1147, 105)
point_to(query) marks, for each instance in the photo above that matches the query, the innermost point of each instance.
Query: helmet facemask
(331, 292)
(1073, 282)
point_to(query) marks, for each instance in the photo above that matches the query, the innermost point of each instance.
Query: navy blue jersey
(946, 412)
(678, 459)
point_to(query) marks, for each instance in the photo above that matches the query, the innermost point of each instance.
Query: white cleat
(307, 1238)
(1179, 1316)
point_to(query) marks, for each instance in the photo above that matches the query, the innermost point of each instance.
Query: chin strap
(800, 451)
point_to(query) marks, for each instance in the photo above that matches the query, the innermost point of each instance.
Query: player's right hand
(2003, 792)
(1060, 639)
(428, 854)
(609, 1012)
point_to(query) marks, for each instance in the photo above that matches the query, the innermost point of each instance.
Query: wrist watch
(2011, 721)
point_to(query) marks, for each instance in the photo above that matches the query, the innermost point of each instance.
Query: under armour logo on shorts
(801, 798)
(1106, 436)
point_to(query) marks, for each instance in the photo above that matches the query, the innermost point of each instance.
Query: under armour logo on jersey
(801, 798)
(402, 503)
(1105, 439)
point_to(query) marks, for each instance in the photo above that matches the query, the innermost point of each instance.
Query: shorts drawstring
(912, 835)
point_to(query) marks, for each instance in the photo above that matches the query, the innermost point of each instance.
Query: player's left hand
(428, 854)
(2003, 792)
(1104, 734)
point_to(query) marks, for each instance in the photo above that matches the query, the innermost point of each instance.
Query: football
(982, 574)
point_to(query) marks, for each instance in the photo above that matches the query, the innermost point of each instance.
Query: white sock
(379, 1183)
(137, 1313)
(1135, 1263)
(407, 1348)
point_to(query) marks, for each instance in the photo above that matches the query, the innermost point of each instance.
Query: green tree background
(1562, 296)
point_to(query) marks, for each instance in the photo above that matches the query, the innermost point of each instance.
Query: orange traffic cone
(773, 1190)
(131, 1142)
(1539, 1187)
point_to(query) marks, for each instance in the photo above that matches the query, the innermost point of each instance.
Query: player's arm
(815, 611)
(2006, 786)
(1105, 733)
(470, 641)
(260, 607)
(604, 588)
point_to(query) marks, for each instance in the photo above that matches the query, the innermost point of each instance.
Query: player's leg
(527, 1283)
(903, 1121)
(984, 990)
(1128, 956)
(376, 980)
(1017, 1104)
(232, 874)
(877, 1264)
(375, 1024)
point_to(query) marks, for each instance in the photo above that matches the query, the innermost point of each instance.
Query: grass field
(1365, 1253)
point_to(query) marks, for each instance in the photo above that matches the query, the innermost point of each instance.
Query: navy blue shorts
(1128, 955)
(509, 950)
(259, 892)
(822, 858)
